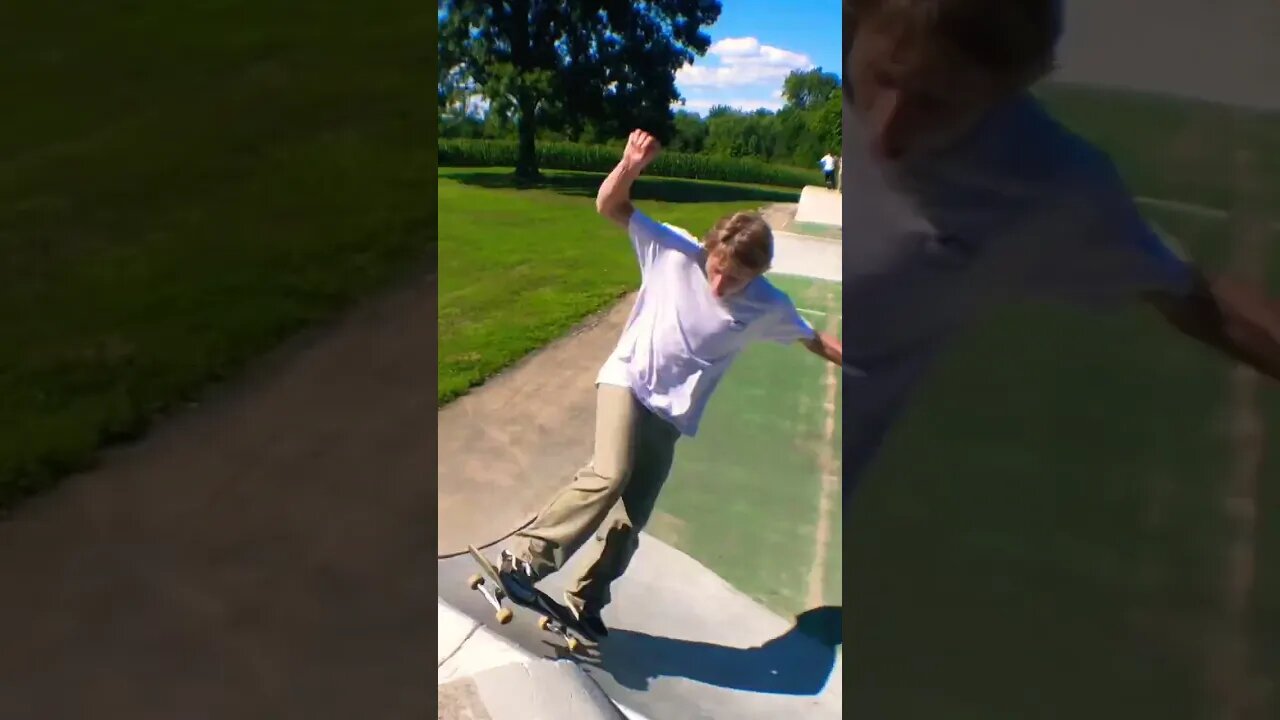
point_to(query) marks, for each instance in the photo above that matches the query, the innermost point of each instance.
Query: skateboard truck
(546, 624)
(553, 617)
(494, 596)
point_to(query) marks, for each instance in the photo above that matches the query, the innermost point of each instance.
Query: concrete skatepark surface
(482, 676)
(820, 206)
(684, 644)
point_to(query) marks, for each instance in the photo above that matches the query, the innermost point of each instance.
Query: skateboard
(554, 617)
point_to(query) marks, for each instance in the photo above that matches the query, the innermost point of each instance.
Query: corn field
(601, 158)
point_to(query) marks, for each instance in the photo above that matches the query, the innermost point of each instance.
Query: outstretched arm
(826, 347)
(614, 197)
(1229, 316)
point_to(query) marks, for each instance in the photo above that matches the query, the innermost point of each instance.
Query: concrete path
(262, 556)
(505, 449)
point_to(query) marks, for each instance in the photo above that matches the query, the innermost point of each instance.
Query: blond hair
(1015, 39)
(745, 236)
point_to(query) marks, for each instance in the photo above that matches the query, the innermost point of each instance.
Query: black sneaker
(517, 578)
(587, 616)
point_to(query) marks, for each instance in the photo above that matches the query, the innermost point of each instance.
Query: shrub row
(601, 158)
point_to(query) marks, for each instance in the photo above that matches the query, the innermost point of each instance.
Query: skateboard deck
(555, 617)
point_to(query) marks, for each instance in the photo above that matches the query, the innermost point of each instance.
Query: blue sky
(755, 44)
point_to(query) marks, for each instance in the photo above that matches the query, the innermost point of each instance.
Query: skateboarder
(699, 305)
(828, 163)
(970, 194)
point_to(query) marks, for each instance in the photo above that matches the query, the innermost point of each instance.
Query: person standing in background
(828, 163)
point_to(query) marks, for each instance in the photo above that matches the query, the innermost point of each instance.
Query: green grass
(743, 497)
(546, 252)
(602, 158)
(183, 186)
(1171, 148)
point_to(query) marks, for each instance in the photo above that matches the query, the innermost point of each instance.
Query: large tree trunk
(527, 156)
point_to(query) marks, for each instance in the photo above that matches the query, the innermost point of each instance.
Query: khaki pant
(609, 500)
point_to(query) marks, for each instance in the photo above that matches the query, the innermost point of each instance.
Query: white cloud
(739, 72)
(740, 62)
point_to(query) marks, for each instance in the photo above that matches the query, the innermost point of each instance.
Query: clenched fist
(641, 149)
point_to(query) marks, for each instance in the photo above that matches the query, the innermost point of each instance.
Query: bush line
(602, 158)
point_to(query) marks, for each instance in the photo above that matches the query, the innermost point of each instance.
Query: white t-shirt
(680, 339)
(828, 163)
(1023, 208)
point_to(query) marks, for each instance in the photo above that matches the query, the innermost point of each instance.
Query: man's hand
(614, 198)
(1229, 317)
(826, 347)
(642, 148)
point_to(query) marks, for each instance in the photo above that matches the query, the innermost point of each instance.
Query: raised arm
(825, 346)
(1229, 316)
(614, 197)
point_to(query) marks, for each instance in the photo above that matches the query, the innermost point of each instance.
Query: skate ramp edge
(482, 676)
(820, 206)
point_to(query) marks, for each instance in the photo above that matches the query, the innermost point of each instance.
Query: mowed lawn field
(181, 187)
(1072, 520)
(521, 266)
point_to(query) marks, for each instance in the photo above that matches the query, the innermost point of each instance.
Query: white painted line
(807, 311)
(829, 485)
(1189, 208)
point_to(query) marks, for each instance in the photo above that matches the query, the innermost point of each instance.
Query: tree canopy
(803, 130)
(588, 68)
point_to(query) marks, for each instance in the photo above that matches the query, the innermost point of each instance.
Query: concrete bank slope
(483, 677)
(685, 644)
(820, 205)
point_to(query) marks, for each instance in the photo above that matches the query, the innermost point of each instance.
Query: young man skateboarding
(967, 193)
(699, 305)
(828, 164)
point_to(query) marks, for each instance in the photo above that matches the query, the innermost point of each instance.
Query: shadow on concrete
(671, 190)
(798, 662)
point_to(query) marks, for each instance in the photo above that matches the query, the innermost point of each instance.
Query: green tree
(455, 92)
(732, 133)
(809, 123)
(576, 65)
(826, 125)
(690, 133)
(810, 89)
